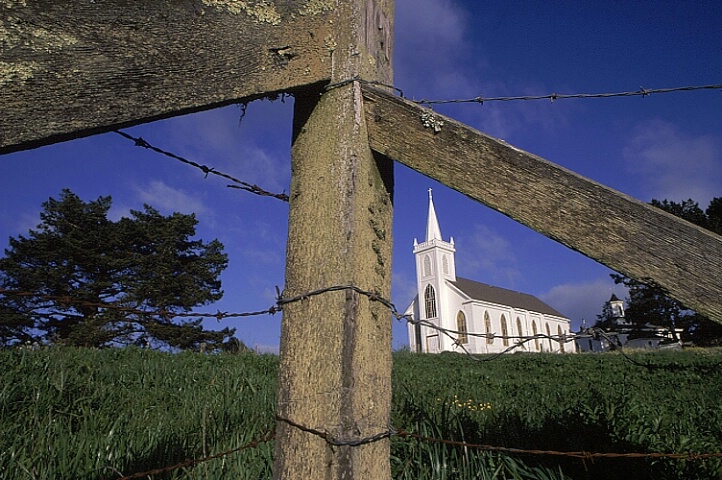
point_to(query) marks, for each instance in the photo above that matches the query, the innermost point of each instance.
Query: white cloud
(489, 255)
(403, 286)
(215, 138)
(437, 57)
(435, 28)
(24, 222)
(670, 164)
(169, 200)
(257, 242)
(118, 211)
(432, 50)
(583, 301)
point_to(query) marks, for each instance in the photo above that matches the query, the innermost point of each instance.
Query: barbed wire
(255, 189)
(643, 92)
(402, 433)
(66, 300)
(452, 334)
(373, 83)
(336, 441)
(394, 432)
(239, 184)
(520, 340)
(574, 454)
(270, 434)
(267, 436)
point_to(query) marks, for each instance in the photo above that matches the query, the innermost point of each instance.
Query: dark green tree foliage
(77, 259)
(648, 303)
(605, 320)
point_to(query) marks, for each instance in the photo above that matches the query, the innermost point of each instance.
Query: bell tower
(435, 265)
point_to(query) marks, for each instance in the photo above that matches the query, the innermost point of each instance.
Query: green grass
(595, 403)
(86, 414)
(95, 414)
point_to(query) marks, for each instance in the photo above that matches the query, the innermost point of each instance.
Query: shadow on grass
(576, 431)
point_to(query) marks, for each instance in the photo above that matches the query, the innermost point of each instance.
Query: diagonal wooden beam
(614, 229)
(69, 69)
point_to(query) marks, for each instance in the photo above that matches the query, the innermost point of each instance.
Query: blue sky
(660, 146)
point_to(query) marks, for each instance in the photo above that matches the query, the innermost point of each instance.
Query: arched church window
(535, 332)
(561, 338)
(487, 325)
(430, 301)
(504, 331)
(427, 266)
(518, 327)
(445, 264)
(461, 328)
(549, 337)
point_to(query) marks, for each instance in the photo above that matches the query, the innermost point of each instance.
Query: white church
(464, 307)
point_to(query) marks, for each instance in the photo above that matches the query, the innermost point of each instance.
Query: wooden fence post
(335, 373)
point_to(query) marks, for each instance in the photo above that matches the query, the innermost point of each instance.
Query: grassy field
(97, 414)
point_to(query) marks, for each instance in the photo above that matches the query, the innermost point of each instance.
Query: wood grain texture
(69, 69)
(335, 367)
(625, 234)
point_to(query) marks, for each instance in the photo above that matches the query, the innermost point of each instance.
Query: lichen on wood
(16, 32)
(316, 7)
(262, 11)
(21, 71)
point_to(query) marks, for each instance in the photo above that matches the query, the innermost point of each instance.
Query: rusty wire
(578, 454)
(402, 433)
(337, 441)
(270, 434)
(267, 436)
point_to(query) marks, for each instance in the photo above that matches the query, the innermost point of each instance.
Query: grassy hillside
(593, 402)
(89, 414)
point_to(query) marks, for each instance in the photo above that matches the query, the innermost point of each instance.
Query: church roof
(502, 296)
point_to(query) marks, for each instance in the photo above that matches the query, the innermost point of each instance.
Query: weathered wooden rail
(71, 69)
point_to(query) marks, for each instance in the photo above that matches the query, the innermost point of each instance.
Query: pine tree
(649, 303)
(76, 261)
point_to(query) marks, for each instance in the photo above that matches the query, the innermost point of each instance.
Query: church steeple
(435, 257)
(433, 232)
(435, 268)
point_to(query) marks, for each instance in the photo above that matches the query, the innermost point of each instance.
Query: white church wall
(436, 270)
(534, 329)
(412, 311)
(455, 303)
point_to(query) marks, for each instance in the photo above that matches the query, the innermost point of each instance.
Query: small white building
(623, 333)
(466, 307)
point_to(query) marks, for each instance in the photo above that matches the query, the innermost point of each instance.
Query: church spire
(433, 232)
